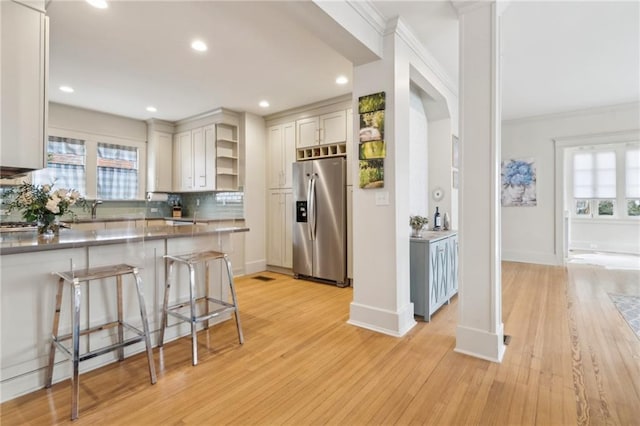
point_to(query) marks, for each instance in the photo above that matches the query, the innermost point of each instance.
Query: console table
(434, 271)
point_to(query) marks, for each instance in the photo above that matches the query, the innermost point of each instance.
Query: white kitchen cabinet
(24, 53)
(159, 162)
(194, 154)
(227, 154)
(349, 146)
(279, 230)
(280, 151)
(182, 155)
(350, 232)
(433, 271)
(323, 129)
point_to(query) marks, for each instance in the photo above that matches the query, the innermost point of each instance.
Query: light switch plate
(382, 198)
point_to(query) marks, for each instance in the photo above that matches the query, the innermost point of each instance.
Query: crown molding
(466, 6)
(575, 113)
(208, 114)
(401, 29)
(369, 13)
(340, 102)
(622, 137)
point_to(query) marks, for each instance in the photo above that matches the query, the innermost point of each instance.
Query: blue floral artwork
(519, 182)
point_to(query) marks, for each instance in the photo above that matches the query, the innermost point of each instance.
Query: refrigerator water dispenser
(301, 211)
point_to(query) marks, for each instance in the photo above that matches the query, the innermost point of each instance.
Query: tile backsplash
(209, 205)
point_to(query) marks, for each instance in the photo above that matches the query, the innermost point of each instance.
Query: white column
(480, 329)
(381, 299)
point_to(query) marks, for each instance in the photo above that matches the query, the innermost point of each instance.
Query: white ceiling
(557, 56)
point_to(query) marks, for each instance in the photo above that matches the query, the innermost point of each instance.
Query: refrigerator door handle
(309, 207)
(312, 208)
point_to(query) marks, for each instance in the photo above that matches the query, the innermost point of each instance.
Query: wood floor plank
(572, 360)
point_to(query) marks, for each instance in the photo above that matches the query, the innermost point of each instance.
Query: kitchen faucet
(94, 207)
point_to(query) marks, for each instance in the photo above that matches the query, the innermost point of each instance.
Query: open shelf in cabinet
(322, 151)
(226, 157)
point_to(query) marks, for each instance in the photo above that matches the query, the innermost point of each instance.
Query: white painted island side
(27, 292)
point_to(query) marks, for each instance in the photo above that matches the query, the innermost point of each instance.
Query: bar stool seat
(75, 279)
(221, 306)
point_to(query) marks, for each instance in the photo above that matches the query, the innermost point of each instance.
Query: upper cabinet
(324, 129)
(281, 141)
(24, 43)
(194, 153)
(206, 152)
(159, 162)
(349, 146)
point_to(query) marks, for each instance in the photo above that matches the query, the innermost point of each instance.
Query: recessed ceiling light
(66, 89)
(152, 108)
(199, 45)
(342, 80)
(98, 4)
(264, 104)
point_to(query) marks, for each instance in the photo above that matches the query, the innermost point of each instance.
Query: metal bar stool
(75, 279)
(221, 306)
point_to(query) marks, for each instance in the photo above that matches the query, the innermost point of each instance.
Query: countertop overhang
(27, 242)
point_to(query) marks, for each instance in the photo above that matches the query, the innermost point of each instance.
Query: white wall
(618, 236)
(95, 122)
(252, 128)
(419, 159)
(529, 233)
(440, 170)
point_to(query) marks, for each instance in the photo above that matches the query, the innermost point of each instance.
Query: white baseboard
(280, 270)
(395, 324)
(612, 247)
(531, 257)
(255, 266)
(480, 344)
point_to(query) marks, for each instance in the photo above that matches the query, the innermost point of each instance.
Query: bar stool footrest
(88, 355)
(101, 351)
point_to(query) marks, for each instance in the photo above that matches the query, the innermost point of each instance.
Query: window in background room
(66, 159)
(632, 181)
(117, 172)
(594, 182)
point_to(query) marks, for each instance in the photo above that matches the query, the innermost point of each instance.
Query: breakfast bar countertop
(203, 219)
(26, 242)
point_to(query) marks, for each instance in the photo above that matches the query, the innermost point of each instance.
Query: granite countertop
(126, 218)
(434, 235)
(199, 219)
(29, 241)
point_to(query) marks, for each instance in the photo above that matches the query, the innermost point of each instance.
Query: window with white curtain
(632, 184)
(66, 165)
(594, 182)
(117, 172)
(604, 179)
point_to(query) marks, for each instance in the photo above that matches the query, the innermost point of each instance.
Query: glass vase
(416, 232)
(48, 228)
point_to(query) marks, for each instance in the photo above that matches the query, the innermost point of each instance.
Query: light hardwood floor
(572, 360)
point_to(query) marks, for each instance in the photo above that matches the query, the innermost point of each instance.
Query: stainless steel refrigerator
(319, 228)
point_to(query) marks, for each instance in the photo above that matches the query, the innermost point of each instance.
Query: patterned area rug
(629, 307)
